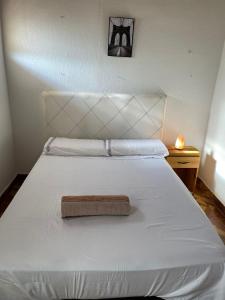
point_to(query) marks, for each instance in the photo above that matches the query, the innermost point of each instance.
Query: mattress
(166, 247)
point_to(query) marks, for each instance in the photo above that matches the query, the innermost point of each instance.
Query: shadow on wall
(27, 112)
(210, 167)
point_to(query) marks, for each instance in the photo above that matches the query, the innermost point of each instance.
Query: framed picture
(120, 39)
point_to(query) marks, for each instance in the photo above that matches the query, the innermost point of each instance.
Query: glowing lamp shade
(179, 142)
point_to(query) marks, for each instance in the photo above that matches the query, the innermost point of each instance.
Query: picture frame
(120, 36)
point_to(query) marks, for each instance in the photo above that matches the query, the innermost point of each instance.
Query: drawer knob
(183, 162)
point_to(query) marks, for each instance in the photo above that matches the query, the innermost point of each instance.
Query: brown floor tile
(212, 207)
(10, 192)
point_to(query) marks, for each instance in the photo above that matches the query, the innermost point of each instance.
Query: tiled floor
(7, 197)
(213, 208)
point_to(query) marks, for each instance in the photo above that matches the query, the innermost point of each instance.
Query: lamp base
(180, 148)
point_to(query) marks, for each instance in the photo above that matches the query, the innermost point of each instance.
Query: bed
(166, 247)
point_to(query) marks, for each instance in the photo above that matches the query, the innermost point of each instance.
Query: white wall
(7, 171)
(62, 45)
(213, 170)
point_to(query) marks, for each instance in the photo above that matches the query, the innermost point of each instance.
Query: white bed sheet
(166, 247)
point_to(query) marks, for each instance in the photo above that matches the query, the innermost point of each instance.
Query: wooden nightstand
(186, 164)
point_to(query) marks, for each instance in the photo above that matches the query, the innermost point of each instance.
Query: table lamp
(179, 142)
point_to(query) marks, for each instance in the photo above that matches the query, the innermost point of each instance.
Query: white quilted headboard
(88, 115)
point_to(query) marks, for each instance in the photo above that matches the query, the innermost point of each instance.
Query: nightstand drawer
(183, 162)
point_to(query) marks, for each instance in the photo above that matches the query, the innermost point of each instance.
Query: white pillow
(148, 147)
(75, 147)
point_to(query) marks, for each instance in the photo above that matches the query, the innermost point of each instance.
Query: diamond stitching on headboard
(104, 115)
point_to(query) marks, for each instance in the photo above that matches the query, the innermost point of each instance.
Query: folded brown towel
(95, 205)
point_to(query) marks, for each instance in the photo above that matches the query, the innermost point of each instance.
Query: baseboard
(7, 186)
(223, 204)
